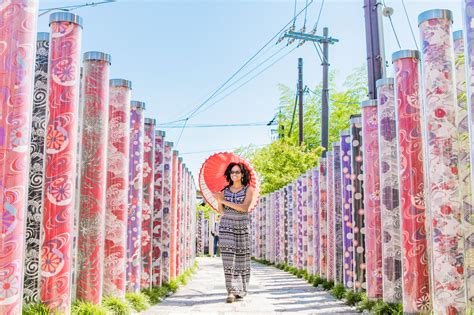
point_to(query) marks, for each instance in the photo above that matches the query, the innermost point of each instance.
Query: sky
(177, 52)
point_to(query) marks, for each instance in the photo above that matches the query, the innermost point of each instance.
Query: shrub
(365, 303)
(88, 308)
(318, 281)
(381, 308)
(352, 298)
(36, 309)
(310, 279)
(299, 273)
(338, 291)
(138, 301)
(117, 306)
(328, 285)
(173, 285)
(287, 268)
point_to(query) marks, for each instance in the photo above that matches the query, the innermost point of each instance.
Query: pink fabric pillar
(315, 208)
(416, 280)
(17, 65)
(135, 196)
(331, 237)
(323, 217)
(373, 224)
(167, 212)
(117, 188)
(147, 204)
(93, 178)
(158, 208)
(174, 215)
(60, 162)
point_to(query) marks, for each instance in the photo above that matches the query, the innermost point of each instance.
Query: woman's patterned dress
(234, 242)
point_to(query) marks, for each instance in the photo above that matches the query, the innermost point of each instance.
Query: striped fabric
(234, 242)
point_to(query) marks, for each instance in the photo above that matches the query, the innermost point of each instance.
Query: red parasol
(212, 179)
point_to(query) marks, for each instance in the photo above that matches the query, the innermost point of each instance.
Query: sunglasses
(235, 172)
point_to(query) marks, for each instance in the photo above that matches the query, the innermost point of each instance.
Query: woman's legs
(228, 253)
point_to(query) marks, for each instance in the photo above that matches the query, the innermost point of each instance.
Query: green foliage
(352, 298)
(365, 304)
(318, 281)
(88, 308)
(36, 309)
(381, 308)
(116, 306)
(282, 161)
(328, 284)
(279, 163)
(156, 294)
(311, 279)
(138, 301)
(338, 291)
(300, 273)
(173, 285)
(206, 209)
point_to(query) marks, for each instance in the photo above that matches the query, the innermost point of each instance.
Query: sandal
(230, 298)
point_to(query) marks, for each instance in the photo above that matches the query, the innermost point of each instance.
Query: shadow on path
(272, 291)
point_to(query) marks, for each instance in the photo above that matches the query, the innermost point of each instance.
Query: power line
(270, 65)
(333, 100)
(73, 7)
(254, 124)
(249, 72)
(315, 27)
(294, 112)
(181, 133)
(194, 111)
(409, 24)
(221, 149)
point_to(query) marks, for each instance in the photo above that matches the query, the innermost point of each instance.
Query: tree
(283, 161)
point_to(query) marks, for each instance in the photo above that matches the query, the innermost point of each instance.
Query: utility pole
(325, 95)
(325, 40)
(300, 101)
(375, 47)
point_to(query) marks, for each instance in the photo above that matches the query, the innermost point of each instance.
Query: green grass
(36, 309)
(117, 306)
(138, 301)
(338, 291)
(88, 308)
(352, 298)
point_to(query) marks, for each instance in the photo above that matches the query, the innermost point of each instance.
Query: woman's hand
(219, 196)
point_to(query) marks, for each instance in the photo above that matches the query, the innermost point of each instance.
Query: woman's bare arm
(242, 207)
(221, 207)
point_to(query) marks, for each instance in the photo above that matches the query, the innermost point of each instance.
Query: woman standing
(234, 230)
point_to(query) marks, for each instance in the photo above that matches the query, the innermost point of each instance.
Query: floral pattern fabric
(93, 175)
(416, 280)
(60, 165)
(389, 195)
(17, 66)
(442, 166)
(147, 204)
(117, 191)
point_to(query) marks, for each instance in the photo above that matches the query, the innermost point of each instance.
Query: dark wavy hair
(243, 169)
